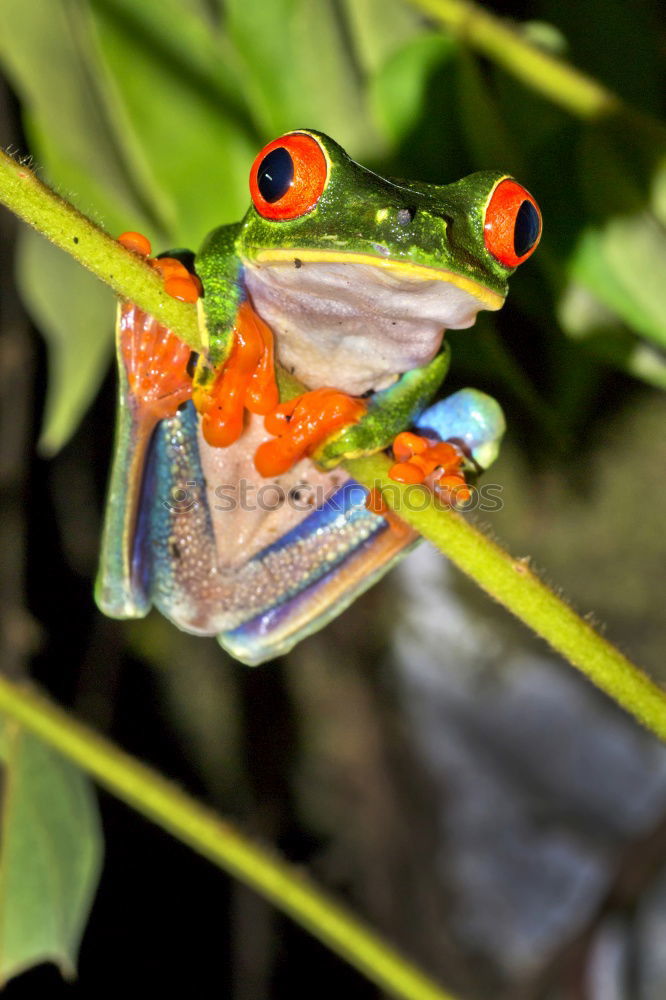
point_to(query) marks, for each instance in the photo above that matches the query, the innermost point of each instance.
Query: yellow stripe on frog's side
(491, 300)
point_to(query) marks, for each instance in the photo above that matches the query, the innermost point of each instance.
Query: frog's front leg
(456, 438)
(243, 380)
(330, 426)
(469, 418)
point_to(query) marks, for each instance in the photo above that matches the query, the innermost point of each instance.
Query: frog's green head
(407, 260)
(310, 199)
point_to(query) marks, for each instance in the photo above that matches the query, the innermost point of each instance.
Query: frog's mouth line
(486, 297)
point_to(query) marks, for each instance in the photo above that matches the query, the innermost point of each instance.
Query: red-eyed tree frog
(228, 509)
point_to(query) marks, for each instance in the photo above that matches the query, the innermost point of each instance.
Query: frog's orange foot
(178, 281)
(156, 363)
(245, 382)
(301, 425)
(437, 464)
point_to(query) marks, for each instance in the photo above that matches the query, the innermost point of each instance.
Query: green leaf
(300, 71)
(75, 312)
(598, 328)
(187, 135)
(50, 854)
(45, 50)
(380, 27)
(621, 256)
(623, 265)
(197, 52)
(399, 89)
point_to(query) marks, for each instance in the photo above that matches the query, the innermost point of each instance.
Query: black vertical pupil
(526, 230)
(275, 174)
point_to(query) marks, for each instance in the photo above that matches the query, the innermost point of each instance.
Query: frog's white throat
(355, 325)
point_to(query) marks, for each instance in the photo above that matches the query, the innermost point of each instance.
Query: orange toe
(136, 242)
(178, 281)
(407, 444)
(418, 459)
(453, 489)
(406, 472)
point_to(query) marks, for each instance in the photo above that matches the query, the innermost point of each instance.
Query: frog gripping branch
(227, 507)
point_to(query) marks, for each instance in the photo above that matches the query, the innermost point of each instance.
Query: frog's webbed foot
(302, 424)
(458, 438)
(156, 364)
(155, 360)
(439, 464)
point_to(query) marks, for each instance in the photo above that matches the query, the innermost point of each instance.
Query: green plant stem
(508, 580)
(60, 222)
(164, 803)
(543, 72)
(511, 582)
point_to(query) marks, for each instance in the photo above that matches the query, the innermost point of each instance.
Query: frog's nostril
(405, 216)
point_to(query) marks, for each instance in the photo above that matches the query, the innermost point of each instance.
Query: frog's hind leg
(317, 570)
(227, 560)
(154, 383)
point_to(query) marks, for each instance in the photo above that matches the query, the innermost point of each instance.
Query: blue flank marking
(349, 502)
(166, 463)
(141, 564)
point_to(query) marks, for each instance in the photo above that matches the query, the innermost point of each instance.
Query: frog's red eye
(288, 176)
(512, 227)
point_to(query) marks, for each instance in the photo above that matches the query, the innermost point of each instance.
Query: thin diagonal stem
(543, 72)
(511, 582)
(179, 814)
(60, 222)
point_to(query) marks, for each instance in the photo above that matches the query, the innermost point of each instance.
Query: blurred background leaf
(50, 855)
(66, 303)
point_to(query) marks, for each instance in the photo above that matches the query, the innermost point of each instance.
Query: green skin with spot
(357, 212)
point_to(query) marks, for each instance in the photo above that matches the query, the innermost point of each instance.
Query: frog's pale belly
(249, 513)
(355, 326)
